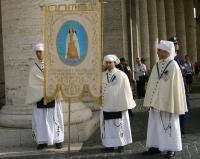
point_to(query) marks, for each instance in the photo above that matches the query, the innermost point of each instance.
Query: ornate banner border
(81, 8)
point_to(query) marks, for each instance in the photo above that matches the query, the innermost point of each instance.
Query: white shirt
(140, 70)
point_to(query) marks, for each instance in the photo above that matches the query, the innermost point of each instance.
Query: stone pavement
(91, 149)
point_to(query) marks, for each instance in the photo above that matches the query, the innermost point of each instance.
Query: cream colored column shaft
(180, 25)
(191, 33)
(144, 32)
(153, 31)
(170, 18)
(162, 32)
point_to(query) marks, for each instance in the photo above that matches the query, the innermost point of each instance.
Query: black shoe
(108, 149)
(120, 149)
(41, 146)
(170, 154)
(151, 151)
(59, 145)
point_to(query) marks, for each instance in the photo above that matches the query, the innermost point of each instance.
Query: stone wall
(22, 21)
(22, 29)
(114, 28)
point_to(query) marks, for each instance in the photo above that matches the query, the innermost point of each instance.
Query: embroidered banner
(73, 51)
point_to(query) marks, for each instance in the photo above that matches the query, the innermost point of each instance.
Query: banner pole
(69, 118)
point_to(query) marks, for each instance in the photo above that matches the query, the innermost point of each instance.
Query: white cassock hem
(47, 124)
(157, 137)
(116, 132)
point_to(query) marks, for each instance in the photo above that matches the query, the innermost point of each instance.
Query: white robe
(157, 137)
(47, 124)
(116, 92)
(116, 132)
(35, 85)
(167, 93)
(117, 96)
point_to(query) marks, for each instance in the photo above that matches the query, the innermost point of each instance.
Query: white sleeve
(144, 67)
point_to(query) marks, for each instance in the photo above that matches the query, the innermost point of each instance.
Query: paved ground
(92, 148)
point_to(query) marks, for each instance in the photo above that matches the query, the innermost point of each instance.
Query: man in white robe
(47, 120)
(117, 98)
(165, 96)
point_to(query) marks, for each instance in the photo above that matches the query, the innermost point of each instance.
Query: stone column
(137, 29)
(180, 25)
(144, 32)
(170, 18)
(162, 33)
(2, 80)
(134, 20)
(153, 33)
(191, 33)
(124, 29)
(22, 29)
(197, 5)
(130, 32)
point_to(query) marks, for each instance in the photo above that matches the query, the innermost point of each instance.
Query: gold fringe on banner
(59, 93)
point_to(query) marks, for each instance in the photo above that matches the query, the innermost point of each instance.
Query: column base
(81, 132)
(15, 124)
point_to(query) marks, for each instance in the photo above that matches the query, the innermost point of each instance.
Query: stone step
(80, 132)
(15, 137)
(15, 152)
